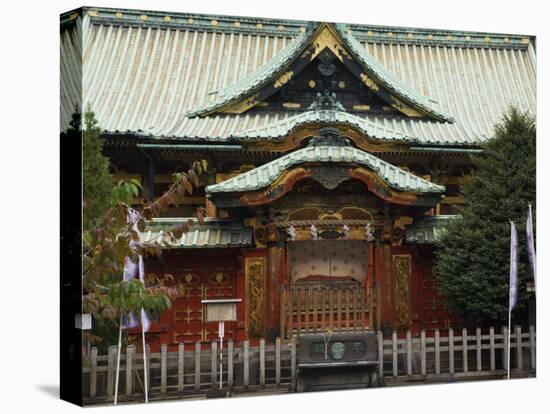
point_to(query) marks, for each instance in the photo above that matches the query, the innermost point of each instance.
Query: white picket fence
(193, 371)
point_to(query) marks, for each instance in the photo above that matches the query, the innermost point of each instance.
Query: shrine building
(335, 157)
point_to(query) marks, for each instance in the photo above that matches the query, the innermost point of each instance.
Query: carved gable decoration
(326, 58)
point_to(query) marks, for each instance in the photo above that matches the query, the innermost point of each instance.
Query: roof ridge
(372, 32)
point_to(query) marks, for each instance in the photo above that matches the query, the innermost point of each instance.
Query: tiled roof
(280, 128)
(426, 229)
(387, 78)
(210, 234)
(268, 70)
(264, 175)
(260, 76)
(143, 75)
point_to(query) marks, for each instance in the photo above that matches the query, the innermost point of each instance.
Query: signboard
(220, 310)
(83, 321)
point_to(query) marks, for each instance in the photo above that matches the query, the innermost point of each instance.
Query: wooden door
(189, 324)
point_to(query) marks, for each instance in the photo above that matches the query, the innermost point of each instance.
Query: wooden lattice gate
(316, 306)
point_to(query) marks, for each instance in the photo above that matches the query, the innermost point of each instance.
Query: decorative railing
(316, 306)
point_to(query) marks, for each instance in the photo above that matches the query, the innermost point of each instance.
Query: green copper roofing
(281, 128)
(387, 79)
(261, 76)
(142, 71)
(262, 176)
(212, 233)
(427, 229)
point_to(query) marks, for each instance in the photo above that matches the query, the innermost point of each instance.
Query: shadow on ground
(49, 389)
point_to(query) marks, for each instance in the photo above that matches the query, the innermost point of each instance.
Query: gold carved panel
(255, 280)
(327, 38)
(401, 271)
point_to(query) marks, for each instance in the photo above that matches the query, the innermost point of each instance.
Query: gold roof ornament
(369, 82)
(283, 79)
(327, 38)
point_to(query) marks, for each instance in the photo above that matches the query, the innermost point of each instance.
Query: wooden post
(315, 309)
(111, 360)
(492, 347)
(214, 364)
(262, 362)
(409, 353)
(306, 308)
(451, 351)
(230, 357)
(380, 355)
(93, 372)
(246, 366)
(129, 370)
(464, 350)
(394, 353)
(371, 308)
(437, 355)
(163, 370)
(293, 363)
(323, 296)
(346, 301)
(478, 349)
(278, 361)
(505, 339)
(299, 309)
(283, 310)
(423, 352)
(312, 308)
(519, 355)
(198, 365)
(339, 308)
(330, 321)
(532, 348)
(181, 361)
(363, 308)
(148, 356)
(378, 307)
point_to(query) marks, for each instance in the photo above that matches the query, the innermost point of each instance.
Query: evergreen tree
(100, 191)
(474, 252)
(97, 182)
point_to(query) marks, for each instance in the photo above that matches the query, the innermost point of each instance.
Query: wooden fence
(449, 354)
(193, 371)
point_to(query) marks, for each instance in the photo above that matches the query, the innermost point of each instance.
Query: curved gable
(337, 38)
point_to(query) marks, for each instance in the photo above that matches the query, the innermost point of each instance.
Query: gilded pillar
(255, 285)
(401, 270)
